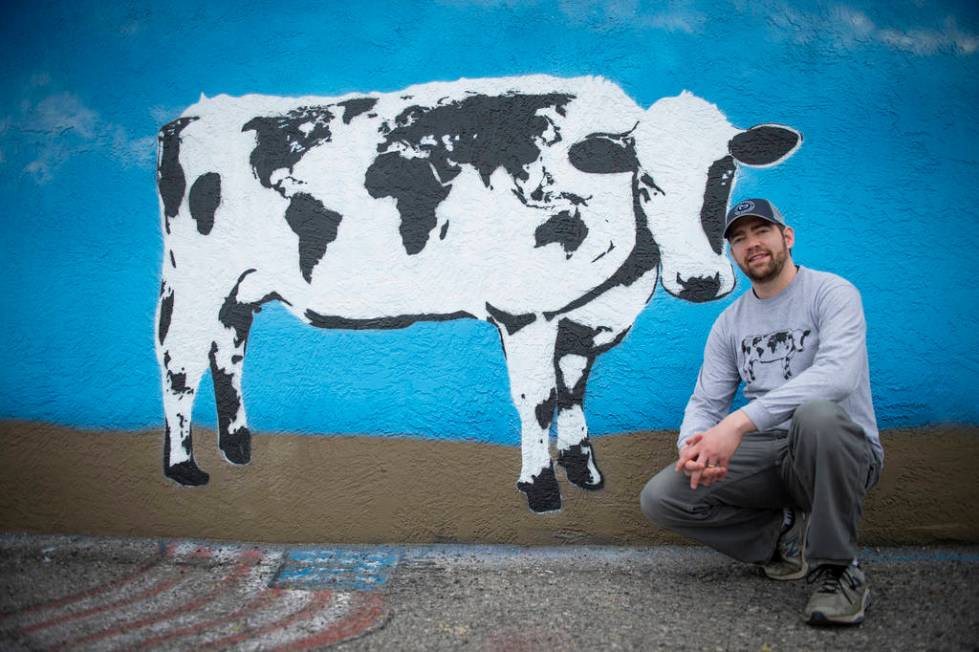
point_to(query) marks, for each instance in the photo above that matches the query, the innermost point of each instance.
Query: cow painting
(778, 347)
(548, 207)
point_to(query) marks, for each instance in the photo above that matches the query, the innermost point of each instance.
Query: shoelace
(830, 578)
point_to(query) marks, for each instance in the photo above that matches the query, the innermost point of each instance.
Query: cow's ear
(604, 155)
(765, 145)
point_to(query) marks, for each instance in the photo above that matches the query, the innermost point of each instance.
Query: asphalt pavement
(87, 593)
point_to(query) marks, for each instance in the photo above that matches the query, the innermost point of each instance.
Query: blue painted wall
(883, 192)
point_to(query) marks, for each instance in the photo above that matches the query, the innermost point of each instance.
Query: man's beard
(776, 262)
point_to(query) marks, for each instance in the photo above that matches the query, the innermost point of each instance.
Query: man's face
(760, 248)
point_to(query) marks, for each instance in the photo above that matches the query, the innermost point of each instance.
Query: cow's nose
(698, 289)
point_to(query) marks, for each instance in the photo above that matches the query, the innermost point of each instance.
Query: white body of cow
(549, 207)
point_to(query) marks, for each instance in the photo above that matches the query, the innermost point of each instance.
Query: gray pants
(823, 465)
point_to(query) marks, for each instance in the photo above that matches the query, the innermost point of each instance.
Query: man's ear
(789, 234)
(765, 145)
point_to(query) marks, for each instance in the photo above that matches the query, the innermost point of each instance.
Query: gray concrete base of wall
(370, 489)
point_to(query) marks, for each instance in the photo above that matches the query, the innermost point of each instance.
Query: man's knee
(823, 426)
(820, 420)
(655, 499)
(817, 414)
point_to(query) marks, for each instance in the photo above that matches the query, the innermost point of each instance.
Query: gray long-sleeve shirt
(808, 342)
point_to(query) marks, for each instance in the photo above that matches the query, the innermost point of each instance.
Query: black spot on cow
(720, 176)
(512, 323)
(545, 410)
(284, 139)
(566, 229)
(186, 473)
(764, 144)
(173, 261)
(238, 315)
(605, 154)
(417, 191)
(205, 196)
(178, 383)
(445, 228)
(316, 226)
(486, 132)
(577, 339)
(354, 107)
(611, 248)
(169, 173)
(166, 313)
(543, 493)
(380, 323)
(577, 461)
(235, 315)
(236, 445)
(698, 289)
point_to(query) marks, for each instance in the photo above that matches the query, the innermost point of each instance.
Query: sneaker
(789, 562)
(841, 598)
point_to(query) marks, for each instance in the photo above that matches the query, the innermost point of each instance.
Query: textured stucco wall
(369, 490)
(881, 192)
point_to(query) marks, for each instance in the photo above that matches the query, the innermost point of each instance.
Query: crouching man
(781, 481)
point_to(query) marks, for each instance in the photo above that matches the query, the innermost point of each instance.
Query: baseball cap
(755, 207)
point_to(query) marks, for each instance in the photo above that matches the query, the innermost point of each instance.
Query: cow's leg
(182, 355)
(227, 357)
(573, 358)
(530, 364)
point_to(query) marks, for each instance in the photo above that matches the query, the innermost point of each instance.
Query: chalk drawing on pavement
(202, 598)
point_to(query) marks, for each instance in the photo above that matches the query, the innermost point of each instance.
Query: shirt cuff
(762, 418)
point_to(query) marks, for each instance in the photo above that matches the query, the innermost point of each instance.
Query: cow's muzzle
(698, 289)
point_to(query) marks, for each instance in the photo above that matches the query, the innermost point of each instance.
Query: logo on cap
(744, 206)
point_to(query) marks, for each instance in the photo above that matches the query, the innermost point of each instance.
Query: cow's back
(436, 199)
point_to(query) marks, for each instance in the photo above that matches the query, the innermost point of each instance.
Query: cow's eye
(603, 155)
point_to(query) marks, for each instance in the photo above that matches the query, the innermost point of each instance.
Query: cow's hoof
(581, 467)
(187, 473)
(237, 446)
(543, 494)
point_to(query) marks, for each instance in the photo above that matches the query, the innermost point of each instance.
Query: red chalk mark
(319, 601)
(256, 603)
(156, 589)
(89, 593)
(367, 609)
(246, 563)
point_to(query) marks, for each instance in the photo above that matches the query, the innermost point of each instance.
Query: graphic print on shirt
(772, 348)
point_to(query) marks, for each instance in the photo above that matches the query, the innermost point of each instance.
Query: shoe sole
(821, 619)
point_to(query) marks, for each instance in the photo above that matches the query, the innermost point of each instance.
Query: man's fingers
(685, 458)
(695, 479)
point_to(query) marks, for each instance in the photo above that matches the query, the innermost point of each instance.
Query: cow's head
(688, 155)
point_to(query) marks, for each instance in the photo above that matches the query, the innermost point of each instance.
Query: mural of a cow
(548, 207)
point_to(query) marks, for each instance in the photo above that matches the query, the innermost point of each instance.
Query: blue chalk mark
(335, 569)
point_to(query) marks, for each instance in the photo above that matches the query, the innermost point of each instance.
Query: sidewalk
(119, 594)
